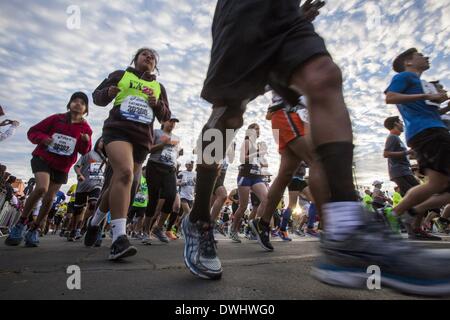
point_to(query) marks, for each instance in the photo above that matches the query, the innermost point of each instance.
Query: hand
(151, 98)
(113, 91)
(15, 123)
(174, 142)
(311, 9)
(47, 141)
(81, 178)
(165, 139)
(437, 97)
(85, 137)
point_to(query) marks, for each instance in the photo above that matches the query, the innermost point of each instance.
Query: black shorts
(220, 181)
(70, 207)
(432, 147)
(405, 183)
(189, 202)
(39, 165)
(254, 199)
(297, 185)
(57, 220)
(51, 214)
(82, 198)
(137, 212)
(139, 152)
(255, 43)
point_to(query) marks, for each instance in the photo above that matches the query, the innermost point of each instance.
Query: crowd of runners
(132, 186)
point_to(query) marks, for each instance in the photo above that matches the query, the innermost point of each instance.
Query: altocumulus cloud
(42, 62)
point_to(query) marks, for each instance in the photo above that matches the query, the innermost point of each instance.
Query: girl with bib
(59, 139)
(127, 134)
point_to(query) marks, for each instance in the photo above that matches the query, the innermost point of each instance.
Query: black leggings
(162, 185)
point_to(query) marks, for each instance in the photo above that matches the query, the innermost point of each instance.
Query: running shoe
(98, 242)
(441, 225)
(121, 248)
(312, 233)
(274, 233)
(199, 250)
(284, 235)
(405, 268)
(146, 239)
(15, 236)
(32, 238)
(71, 236)
(170, 235)
(78, 235)
(262, 234)
(235, 237)
(300, 233)
(93, 233)
(159, 234)
(420, 234)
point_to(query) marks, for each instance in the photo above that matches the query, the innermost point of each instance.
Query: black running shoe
(121, 248)
(93, 233)
(262, 234)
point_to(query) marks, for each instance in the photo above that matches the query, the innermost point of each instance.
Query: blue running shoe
(15, 236)
(200, 250)
(32, 238)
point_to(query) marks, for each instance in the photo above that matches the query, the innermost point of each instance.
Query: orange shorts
(286, 126)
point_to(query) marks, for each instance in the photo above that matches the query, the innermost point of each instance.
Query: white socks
(118, 227)
(98, 217)
(341, 219)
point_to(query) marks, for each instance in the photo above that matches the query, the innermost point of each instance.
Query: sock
(337, 161)
(118, 227)
(342, 218)
(98, 217)
(312, 213)
(206, 178)
(286, 216)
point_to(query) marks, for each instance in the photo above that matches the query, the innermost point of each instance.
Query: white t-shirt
(187, 188)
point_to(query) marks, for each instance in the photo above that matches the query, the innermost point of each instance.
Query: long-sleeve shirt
(139, 133)
(60, 125)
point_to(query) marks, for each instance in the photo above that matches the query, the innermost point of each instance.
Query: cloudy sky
(44, 57)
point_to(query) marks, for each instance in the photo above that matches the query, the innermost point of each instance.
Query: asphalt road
(158, 272)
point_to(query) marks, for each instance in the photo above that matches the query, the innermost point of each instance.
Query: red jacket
(60, 123)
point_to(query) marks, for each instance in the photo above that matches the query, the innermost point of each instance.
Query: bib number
(62, 145)
(140, 197)
(136, 109)
(95, 172)
(429, 88)
(168, 155)
(255, 170)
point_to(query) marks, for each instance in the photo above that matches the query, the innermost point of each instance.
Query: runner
(127, 135)
(89, 170)
(186, 181)
(59, 216)
(290, 56)
(290, 126)
(161, 171)
(59, 198)
(70, 210)
(59, 139)
(138, 208)
(250, 178)
(220, 194)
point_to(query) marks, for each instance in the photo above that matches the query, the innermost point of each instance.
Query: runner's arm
(100, 94)
(162, 110)
(39, 133)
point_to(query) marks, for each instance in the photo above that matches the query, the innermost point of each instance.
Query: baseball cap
(376, 182)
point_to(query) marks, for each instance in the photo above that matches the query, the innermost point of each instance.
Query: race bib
(95, 172)
(429, 88)
(255, 170)
(140, 197)
(136, 109)
(62, 145)
(168, 155)
(303, 114)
